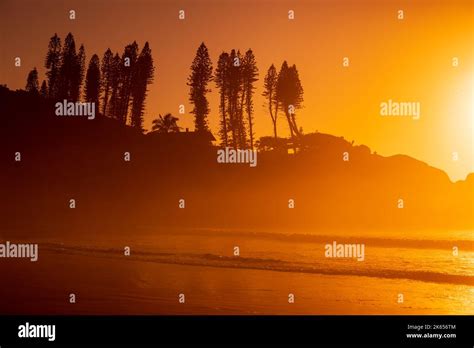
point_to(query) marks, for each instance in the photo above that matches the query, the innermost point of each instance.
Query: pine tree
(92, 90)
(32, 84)
(127, 66)
(69, 88)
(236, 93)
(53, 65)
(233, 86)
(295, 95)
(79, 70)
(106, 74)
(249, 77)
(115, 78)
(201, 75)
(221, 79)
(290, 96)
(44, 89)
(270, 84)
(143, 76)
(241, 96)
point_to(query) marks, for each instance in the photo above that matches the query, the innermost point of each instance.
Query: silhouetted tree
(106, 74)
(290, 95)
(53, 65)
(201, 75)
(79, 70)
(221, 79)
(237, 91)
(69, 70)
(295, 96)
(115, 78)
(127, 66)
(165, 124)
(234, 91)
(270, 85)
(32, 84)
(142, 77)
(281, 90)
(249, 76)
(240, 109)
(92, 90)
(44, 89)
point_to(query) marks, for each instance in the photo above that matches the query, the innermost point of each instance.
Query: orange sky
(408, 60)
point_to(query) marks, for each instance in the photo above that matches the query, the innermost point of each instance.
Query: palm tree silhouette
(166, 124)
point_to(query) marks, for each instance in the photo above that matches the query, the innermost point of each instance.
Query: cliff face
(75, 158)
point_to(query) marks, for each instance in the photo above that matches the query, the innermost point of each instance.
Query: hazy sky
(403, 60)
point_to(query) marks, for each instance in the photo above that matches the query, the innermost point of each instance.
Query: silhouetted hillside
(72, 157)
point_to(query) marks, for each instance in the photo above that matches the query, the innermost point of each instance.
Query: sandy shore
(120, 285)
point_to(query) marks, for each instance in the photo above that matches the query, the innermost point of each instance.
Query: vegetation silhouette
(335, 183)
(235, 79)
(32, 84)
(166, 124)
(93, 86)
(201, 75)
(72, 157)
(118, 84)
(270, 86)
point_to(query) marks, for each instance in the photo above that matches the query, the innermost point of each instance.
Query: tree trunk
(224, 120)
(292, 131)
(274, 118)
(250, 129)
(106, 97)
(241, 122)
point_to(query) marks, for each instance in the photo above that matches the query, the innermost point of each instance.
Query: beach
(201, 265)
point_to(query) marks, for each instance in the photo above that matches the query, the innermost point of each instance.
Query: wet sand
(129, 285)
